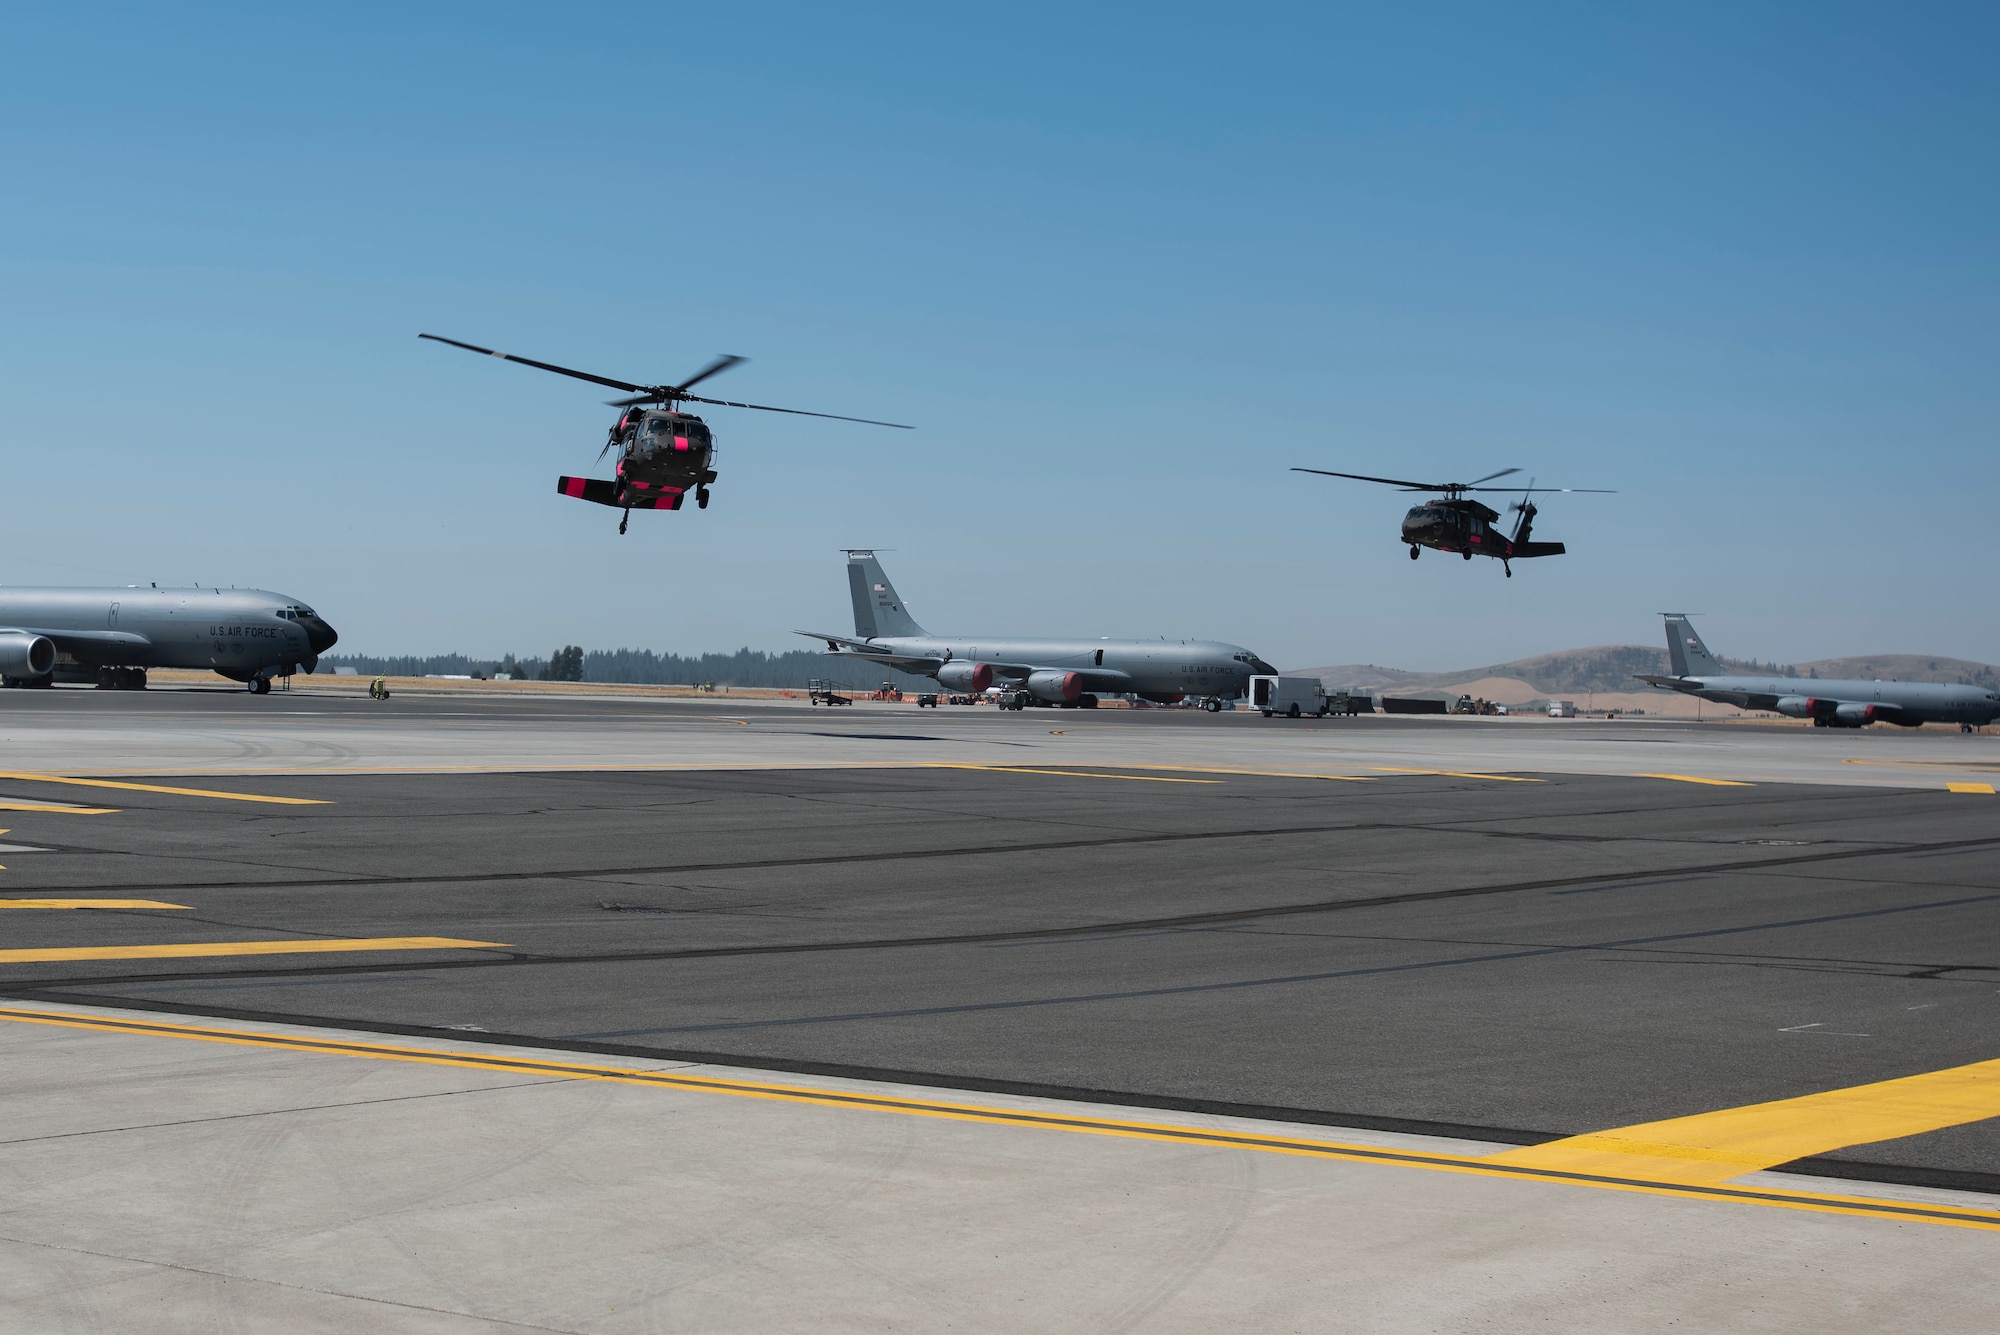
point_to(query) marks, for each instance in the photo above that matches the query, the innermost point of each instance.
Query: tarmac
(591, 1014)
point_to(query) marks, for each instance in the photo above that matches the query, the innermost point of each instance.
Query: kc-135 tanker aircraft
(1068, 673)
(1828, 703)
(111, 636)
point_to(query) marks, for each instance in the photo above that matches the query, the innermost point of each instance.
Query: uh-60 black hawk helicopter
(662, 451)
(1452, 523)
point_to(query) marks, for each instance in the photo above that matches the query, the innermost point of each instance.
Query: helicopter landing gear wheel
(1510, 570)
(1467, 553)
(1414, 549)
(623, 520)
(701, 498)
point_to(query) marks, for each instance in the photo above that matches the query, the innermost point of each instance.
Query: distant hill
(1612, 667)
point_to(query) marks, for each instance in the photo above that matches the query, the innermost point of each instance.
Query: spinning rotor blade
(1488, 478)
(540, 366)
(799, 412)
(722, 363)
(1388, 481)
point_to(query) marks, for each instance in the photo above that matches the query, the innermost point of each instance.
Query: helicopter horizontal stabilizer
(1524, 550)
(602, 491)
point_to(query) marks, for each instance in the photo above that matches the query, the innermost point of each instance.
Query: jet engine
(965, 676)
(25, 655)
(1855, 716)
(1802, 706)
(1055, 687)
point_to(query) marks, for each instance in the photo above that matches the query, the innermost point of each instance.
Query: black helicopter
(1453, 523)
(663, 452)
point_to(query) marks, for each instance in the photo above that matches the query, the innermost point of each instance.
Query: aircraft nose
(1262, 668)
(319, 635)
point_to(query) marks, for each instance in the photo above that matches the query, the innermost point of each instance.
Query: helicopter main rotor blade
(1386, 481)
(539, 366)
(1547, 491)
(1488, 478)
(722, 363)
(798, 412)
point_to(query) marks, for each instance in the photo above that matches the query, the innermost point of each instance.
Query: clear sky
(1123, 266)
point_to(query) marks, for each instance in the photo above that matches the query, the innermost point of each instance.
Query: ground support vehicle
(1290, 696)
(1346, 702)
(825, 692)
(927, 702)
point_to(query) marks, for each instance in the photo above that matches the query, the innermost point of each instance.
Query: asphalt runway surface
(1507, 955)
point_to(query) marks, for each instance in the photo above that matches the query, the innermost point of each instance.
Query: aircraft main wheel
(701, 498)
(1965, 727)
(1510, 572)
(1467, 553)
(260, 686)
(1413, 552)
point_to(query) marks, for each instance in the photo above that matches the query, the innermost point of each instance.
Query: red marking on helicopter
(573, 486)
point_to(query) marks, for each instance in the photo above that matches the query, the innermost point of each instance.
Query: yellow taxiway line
(1714, 1147)
(1691, 778)
(1456, 774)
(1499, 1166)
(205, 949)
(1255, 773)
(1986, 788)
(88, 904)
(27, 777)
(60, 808)
(1059, 773)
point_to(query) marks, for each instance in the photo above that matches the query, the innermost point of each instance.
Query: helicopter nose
(319, 635)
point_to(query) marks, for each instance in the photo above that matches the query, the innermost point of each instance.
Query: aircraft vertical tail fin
(878, 611)
(1689, 655)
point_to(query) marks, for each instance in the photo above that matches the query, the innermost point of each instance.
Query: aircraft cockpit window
(660, 426)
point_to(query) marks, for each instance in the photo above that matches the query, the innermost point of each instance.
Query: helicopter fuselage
(1465, 526)
(662, 454)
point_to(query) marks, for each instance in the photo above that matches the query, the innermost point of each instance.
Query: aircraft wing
(1669, 683)
(852, 648)
(69, 641)
(1101, 679)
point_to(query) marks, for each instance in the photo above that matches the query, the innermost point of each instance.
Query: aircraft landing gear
(1466, 553)
(260, 686)
(624, 519)
(701, 498)
(1965, 727)
(1509, 569)
(1212, 705)
(1414, 549)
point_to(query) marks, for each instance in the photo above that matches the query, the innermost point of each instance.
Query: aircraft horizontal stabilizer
(1524, 550)
(602, 491)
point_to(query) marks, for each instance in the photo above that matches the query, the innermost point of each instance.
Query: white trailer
(1562, 709)
(1290, 696)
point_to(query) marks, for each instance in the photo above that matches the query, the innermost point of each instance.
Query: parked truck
(1290, 696)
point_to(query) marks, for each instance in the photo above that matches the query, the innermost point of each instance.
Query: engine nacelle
(965, 676)
(1056, 687)
(1799, 706)
(1855, 716)
(25, 655)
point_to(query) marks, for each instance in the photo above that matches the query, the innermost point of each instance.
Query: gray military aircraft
(1829, 704)
(1066, 673)
(111, 636)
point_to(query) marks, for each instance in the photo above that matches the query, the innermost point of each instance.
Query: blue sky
(1123, 266)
